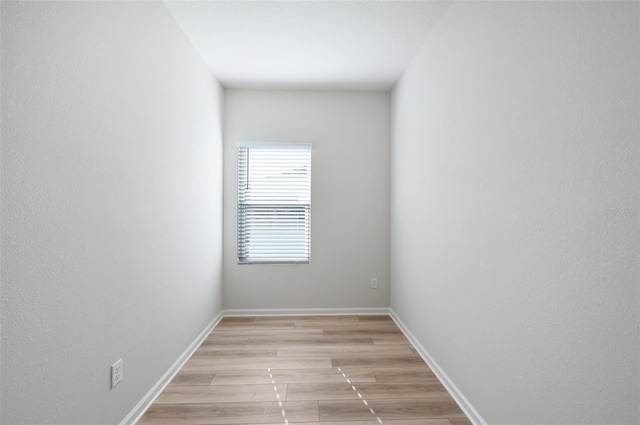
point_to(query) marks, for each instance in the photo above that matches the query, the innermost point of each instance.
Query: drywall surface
(349, 198)
(515, 208)
(111, 206)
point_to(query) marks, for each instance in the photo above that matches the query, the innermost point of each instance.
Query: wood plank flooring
(306, 370)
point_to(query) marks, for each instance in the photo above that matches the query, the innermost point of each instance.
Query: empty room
(320, 212)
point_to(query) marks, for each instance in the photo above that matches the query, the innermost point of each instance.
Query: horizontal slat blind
(274, 203)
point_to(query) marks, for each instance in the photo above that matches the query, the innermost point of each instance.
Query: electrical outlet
(116, 373)
(374, 283)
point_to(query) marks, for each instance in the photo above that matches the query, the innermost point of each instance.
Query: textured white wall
(111, 205)
(349, 191)
(515, 208)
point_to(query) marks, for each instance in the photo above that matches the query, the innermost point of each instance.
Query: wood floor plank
(313, 340)
(407, 360)
(320, 376)
(210, 364)
(214, 350)
(375, 422)
(230, 413)
(274, 333)
(253, 326)
(297, 376)
(348, 410)
(344, 410)
(220, 393)
(356, 333)
(367, 391)
(389, 339)
(420, 373)
(312, 320)
(345, 351)
(337, 323)
(358, 324)
(363, 330)
(192, 378)
(261, 322)
(241, 377)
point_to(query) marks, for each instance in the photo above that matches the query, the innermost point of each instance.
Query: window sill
(248, 263)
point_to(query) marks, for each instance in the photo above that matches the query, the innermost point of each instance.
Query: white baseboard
(454, 391)
(305, 311)
(136, 413)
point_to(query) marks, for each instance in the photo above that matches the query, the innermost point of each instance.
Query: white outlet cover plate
(116, 373)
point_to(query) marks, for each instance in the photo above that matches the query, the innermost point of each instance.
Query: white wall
(349, 197)
(515, 208)
(111, 205)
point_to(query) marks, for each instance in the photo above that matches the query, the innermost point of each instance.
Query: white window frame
(264, 216)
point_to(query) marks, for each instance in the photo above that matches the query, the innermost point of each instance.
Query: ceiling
(348, 44)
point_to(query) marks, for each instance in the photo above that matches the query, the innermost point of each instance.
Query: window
(274, 202)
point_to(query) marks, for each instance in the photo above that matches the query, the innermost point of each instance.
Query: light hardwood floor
(307, 370)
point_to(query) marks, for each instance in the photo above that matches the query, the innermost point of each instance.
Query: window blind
(274, 202)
